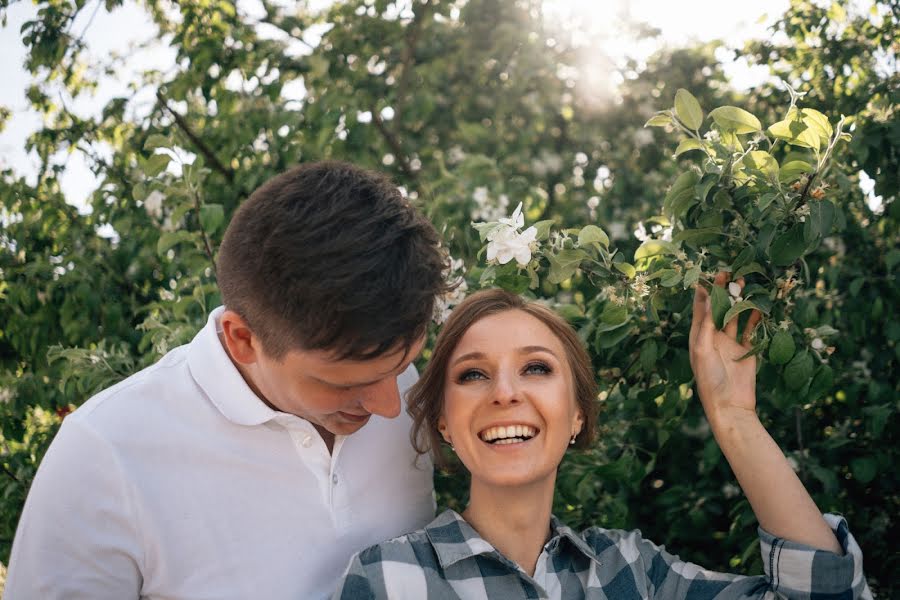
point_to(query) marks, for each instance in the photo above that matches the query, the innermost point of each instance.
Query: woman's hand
(726, 385)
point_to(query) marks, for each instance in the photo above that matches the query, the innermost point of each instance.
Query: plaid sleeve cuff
(801, 572)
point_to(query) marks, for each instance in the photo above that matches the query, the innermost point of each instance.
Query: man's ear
(242, 345)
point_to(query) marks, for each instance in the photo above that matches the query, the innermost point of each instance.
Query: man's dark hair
(330, 256)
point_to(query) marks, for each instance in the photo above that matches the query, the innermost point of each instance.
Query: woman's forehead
(509, 329)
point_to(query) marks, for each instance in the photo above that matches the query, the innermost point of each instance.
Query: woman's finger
(699, 314)
(752, 322)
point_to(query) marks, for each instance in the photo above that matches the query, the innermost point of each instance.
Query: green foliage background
(468, 106)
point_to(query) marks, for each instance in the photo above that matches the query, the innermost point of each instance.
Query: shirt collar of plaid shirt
(454, 539)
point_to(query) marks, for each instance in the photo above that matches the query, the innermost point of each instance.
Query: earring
(572, 441)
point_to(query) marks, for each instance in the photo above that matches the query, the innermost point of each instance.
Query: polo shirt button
(334, 479)
(307, 441)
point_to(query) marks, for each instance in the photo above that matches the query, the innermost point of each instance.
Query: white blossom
(734, 289)
(506, 243)
(153, 203)
(818, 344)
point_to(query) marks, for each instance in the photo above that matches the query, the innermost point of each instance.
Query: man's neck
(327, 437)
(516, 521)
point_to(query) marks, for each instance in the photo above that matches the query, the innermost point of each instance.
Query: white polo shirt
(180, 483)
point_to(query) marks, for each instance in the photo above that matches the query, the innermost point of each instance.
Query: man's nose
(383, 398)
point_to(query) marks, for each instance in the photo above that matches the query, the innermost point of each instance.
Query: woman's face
(509, 401)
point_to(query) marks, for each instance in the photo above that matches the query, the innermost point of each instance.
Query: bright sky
(119, 32)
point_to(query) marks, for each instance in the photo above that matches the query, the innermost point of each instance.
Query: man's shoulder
(138, 393)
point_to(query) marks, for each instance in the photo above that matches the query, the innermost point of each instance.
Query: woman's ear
(442, 429)
(578, 424)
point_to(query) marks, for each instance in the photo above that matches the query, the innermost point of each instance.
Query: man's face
(336, 395)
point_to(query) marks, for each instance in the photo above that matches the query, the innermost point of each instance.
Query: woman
(510, 387)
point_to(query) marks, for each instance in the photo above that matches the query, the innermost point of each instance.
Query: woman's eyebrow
(530, 349)
(523, 350)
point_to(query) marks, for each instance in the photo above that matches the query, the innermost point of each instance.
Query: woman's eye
(470, 375)
(537, 369)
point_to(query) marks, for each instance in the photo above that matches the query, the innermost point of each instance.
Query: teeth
(511, 432)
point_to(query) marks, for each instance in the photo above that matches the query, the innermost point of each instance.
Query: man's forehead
(330, 367)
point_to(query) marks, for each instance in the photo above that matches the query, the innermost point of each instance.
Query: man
(228, 468)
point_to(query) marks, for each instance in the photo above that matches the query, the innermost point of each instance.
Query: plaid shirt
(448, 559)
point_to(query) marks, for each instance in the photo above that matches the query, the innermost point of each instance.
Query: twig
(10, 473)
(207, 153)
(394, 144)
(206, 245)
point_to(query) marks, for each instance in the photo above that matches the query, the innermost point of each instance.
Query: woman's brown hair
(426, 397)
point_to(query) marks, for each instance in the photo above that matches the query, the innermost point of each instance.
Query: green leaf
(737, 308)
(818, 223)
(798, 371)
(649, 354)
(864, 469)
(614, 314)
(626, 268)
(659, 120)
(703, 235)
(564, 264)
(691, 276)
(170, 239)
(720, 305)
(612, 337)
(543, 229)
(688, 109)
(486, 229)
(788, 246)
(796, 131)
(155, 141)
(670, 279)
(791, 170)
(744, 258)
(781, 348)
(212, 217)
(821, 383)
(753, 267)
(156, 164)
(513, 282)
(762, 161)
(818, 123)
(738, 120)
(652, 248)
(688, 145)
(681, 195)
(590, 234)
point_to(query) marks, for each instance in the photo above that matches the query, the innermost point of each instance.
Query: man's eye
(471, 375)
(538, 368)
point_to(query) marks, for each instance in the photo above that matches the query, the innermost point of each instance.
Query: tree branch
(207, 153)
(408, 56)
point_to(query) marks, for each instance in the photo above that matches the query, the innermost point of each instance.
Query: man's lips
(354, 418)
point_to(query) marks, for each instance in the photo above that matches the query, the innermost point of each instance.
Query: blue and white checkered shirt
(448, 559)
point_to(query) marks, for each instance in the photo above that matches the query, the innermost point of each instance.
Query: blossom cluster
(506, 242)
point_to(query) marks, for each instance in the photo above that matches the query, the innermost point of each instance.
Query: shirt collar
(213, 371)
(454, 539)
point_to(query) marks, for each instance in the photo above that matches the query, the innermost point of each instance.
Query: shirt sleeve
(792, 571)
(77, 536)
(355, 584)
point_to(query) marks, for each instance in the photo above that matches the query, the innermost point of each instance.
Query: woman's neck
(514, 520)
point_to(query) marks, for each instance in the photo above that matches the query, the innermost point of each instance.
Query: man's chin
(346, 423)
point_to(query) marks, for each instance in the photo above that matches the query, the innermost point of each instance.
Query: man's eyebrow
(523, 350)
